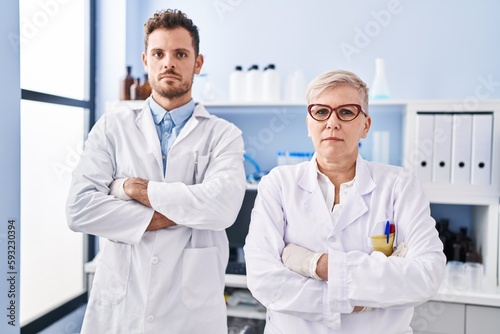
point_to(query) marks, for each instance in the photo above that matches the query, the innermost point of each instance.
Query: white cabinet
(439, 318)
(481, 319)
(451, 318)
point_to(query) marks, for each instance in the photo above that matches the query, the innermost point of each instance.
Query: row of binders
(454, 148)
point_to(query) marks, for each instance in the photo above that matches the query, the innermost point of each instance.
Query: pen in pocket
(387, 231)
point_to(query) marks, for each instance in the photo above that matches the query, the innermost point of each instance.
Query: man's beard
(169, 92)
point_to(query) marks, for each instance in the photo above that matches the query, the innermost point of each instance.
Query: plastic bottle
(253, 84)
(125, 84)
(237, 85)
(380, 88)
(271, 84)
(208, 93)
(295, 87)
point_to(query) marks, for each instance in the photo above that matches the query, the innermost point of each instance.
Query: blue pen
(387, 231)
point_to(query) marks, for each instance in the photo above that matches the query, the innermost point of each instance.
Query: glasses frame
(358, 108)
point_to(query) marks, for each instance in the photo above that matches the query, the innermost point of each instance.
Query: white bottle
(296, 87)
(208, 93)
(381, 146)
(271, 84)
(253, 84)
(379, 89)
(237, 85)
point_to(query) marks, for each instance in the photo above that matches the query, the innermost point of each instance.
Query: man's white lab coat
(170, 280)
(290, 208)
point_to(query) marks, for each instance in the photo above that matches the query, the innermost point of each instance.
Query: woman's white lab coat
(290, 208)
(170, 280)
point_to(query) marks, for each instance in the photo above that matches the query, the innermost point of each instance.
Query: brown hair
(171, 19)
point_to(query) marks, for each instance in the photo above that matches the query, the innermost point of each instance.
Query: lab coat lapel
(199, 111)
(146, 125)
(313, 198)
(355, 206)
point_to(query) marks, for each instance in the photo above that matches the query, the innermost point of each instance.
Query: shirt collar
(179, 115)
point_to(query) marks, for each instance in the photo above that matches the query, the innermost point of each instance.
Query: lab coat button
(150, 318)
(154, 260)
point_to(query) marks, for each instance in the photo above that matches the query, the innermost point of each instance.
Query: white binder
(425, 146)
(441, 159)
(482, 137)
(461, 149)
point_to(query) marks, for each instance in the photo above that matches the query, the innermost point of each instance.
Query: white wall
(9, 164)
(432, 49)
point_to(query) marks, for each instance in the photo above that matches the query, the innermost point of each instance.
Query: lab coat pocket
(112, 274)
(200, 167)
(202, 284)
(380, 244)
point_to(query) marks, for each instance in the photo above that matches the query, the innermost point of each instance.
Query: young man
(161, 184)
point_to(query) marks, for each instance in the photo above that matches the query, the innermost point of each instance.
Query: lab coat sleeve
(275, 286)
(214, 203)
(374, 280)
(89, 208)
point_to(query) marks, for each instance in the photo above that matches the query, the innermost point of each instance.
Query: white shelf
(252, 104)
(438, 194)
(290, 103)
(299, 104)
(486, 297)
(246, 311)
(236, 281)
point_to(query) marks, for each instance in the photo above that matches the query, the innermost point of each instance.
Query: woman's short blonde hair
(336, 78)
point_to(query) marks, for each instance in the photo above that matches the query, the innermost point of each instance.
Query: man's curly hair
(171, 19)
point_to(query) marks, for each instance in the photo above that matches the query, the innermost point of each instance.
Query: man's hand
(137, 188)
(158, 222)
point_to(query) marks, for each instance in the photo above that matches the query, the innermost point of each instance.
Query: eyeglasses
(345, 112)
